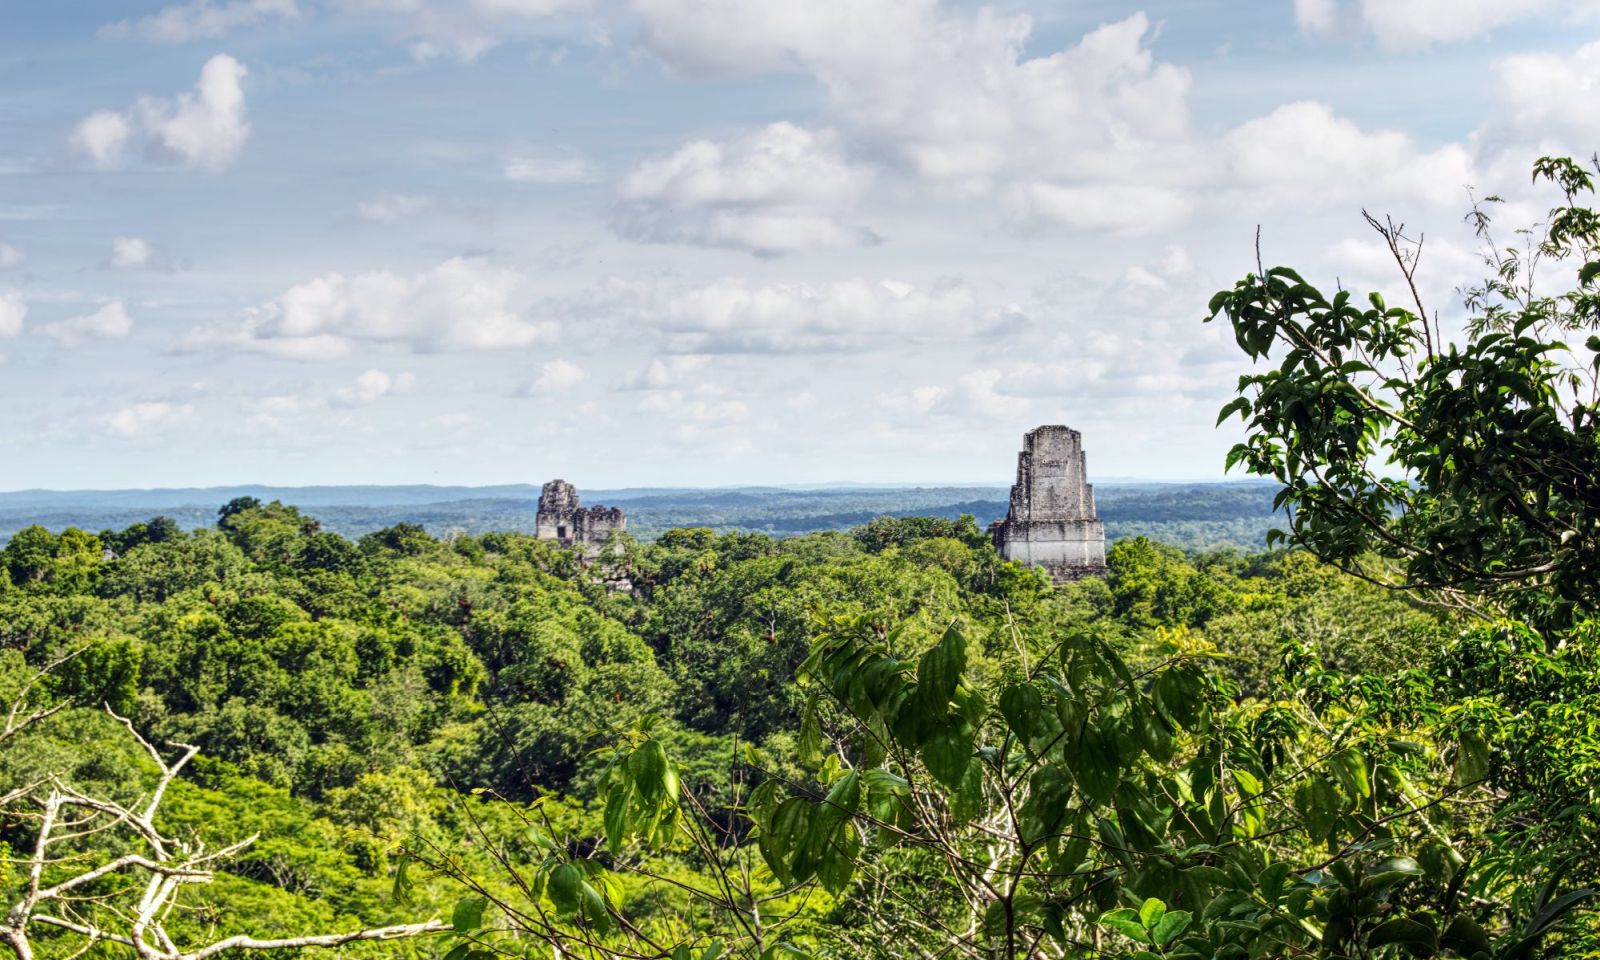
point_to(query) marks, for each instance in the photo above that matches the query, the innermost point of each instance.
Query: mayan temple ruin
(1051, 523)
(563, 519)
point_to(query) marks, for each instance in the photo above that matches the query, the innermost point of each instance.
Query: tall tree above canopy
(1472, 461)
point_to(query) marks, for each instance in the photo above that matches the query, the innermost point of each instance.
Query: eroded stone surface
(563, 519)
(1051, 523)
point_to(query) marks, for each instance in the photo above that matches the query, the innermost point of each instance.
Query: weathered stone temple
(563, 519)
(1051, 523)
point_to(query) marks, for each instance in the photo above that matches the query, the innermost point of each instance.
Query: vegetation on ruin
(1379, 741)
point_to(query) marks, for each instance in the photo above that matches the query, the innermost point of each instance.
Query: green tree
(1468, 464)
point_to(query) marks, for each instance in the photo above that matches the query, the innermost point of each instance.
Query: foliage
(1490, 441)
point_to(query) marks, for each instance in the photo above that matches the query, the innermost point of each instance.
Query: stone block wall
(1051, 523)
(564, 519)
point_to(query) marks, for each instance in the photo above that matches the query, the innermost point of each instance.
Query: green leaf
(1351, 769)
(565, 889)
(1151, 912)
(1095, 765)
(1021, 705)
(1126, 922)
(1401, 930)
(1472, 758)
(940, 669)
(948, 752)
(1392, 871)
(1170, 927)
(1272, 880)
(468, 915)
(594, 908)
(647, 766)
(616, 815)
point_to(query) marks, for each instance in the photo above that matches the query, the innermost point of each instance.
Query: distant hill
(1195, 515)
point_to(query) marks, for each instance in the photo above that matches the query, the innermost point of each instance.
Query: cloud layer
(205, 128)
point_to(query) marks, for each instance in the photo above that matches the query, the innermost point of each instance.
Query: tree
(1471, 464)
(63, 894)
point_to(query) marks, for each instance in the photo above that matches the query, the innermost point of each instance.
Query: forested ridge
(1189, 515)
(1381, 739)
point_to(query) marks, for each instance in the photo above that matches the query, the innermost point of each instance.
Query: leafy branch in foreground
(1488, 491)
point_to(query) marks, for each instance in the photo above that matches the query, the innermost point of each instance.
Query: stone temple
(563, 519)
(1051, 524)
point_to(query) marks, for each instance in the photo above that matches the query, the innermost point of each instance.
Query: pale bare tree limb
(169, 864)
(16, 721)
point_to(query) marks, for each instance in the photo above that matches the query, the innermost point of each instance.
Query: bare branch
(169, 865)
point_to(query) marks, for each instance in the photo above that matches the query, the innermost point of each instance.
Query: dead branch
(168, 865)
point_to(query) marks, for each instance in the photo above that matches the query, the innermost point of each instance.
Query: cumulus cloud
(461, 304)
(101, 136)
(778, 190)
(463, 30)
(1109, 208)
(1411, 25)
(110, 322)
(662, 373)
(143, 419)
(389, 207)
(551, 167)
(736, 316)
(374, 384)
(693, 413)
(204, 128)
(1553, 94)
(554, 376)
(10, 256)
(1304, 152)
(949, 93)
(12, 314)
(1316, 16)
(130, 252)
(200, 20)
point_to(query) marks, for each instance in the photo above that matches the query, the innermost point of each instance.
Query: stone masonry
(563, 519)
(1052, 523)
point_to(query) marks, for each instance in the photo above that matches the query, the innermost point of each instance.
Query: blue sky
(645, 242)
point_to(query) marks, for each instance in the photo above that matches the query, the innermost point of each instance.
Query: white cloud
(664, 372)
(551, 167)
(374, 384)
(974, 396)
(1316, 16)
(461, 304)
(1412, 25)
(12, 313)
(199, 20)
(1110, 208)
(463, 29)
(689, 412)
(1304, 153)
(554, 377)
(130, 252)
(778, 190)
(204, 128)
(950, 94)
(143, 419)
(101, 136)
(735, 316)
(1554, 94)
(10, 256)
(389, 207)
(110, 322)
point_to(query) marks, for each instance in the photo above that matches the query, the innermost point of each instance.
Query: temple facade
(563, 519)
(1051, 523)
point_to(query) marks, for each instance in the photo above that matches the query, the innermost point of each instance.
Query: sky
(714, 242)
